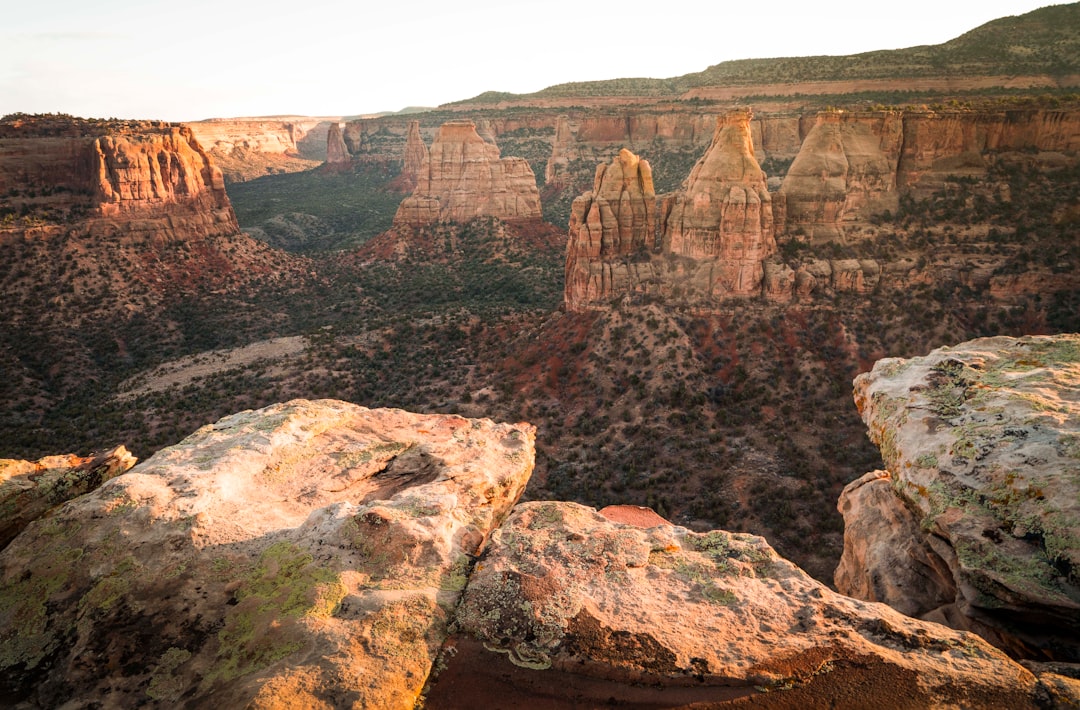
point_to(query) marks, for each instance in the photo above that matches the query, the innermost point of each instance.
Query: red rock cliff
(463, 177)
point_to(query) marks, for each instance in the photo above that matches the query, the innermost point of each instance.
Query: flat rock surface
(307, 554)
(982, 445)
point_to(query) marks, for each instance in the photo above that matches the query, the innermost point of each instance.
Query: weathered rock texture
(702, 617)
(724, 215)
(702, 244)
(612, 232)
(336, 152)
(129, 177)
(463, 177)
(29, 489)
(845, 171)
(416, 152)
(307, 554)
(977, 522)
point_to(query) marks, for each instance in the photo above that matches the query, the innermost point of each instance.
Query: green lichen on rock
(284, 585)
(164, 685)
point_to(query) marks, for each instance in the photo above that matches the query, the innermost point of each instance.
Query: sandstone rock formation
(29, 489)
(247, 148)
(845, 171)
(725, 213)
(714, 234)
(308, 554)
(612, 232)
(135, 177)
(336, 151)
(693, 618)
(416, 153)
(982, 496)
(463, 177)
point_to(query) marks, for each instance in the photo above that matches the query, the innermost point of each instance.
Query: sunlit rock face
(976, 522)
(307, 554)
(463, 177)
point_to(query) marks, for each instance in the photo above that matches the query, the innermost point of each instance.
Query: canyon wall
(133, 177)
(247, 148)
(462, 177)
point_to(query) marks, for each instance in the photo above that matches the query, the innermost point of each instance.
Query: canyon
(326, 554)
(675, 290)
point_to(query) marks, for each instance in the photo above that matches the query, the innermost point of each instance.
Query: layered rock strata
(706, 242)
(416, 152)
(981, 500)
(308, 554)
(463, 177)
(136, 177)
(336, 151)
(608, 608)
(612, 232)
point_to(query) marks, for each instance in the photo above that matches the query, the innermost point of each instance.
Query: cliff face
(976, 523)
(416, 152)
(248, 148)
(336, 151)
(844, 172)
(463, 177)
(134, 177)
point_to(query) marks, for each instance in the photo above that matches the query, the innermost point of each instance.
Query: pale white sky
(183, 61)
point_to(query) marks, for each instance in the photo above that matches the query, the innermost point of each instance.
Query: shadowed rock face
(976, 523)
(307, 554)
(564, 590)
(29, 489)
(462, 177)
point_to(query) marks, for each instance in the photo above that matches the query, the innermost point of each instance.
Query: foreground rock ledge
(303, 555)
(608, 610)
(976, 522)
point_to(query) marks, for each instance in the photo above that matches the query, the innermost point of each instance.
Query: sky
(197, 59)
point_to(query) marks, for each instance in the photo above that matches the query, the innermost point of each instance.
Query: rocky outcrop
(724, 215)
(612, 231)
(977, 521)
(336, 152)
(308, 554)
(845, 172)
(715, 234)
(247, 148)
(620, 612)
(127, 177)
(29, 489)
(416, 153)
(463, 177)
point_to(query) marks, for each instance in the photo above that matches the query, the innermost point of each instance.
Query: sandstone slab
(982, 446)
(708, 616)
(307, 554)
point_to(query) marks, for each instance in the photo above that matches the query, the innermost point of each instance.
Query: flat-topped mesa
(612, 229)
(62, 168)
(337, 153)
(463, 177)
(725, 211)
(845, 172)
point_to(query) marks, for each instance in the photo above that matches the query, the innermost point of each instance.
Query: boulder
(568, 605)
(307, 554)
(982, 446)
